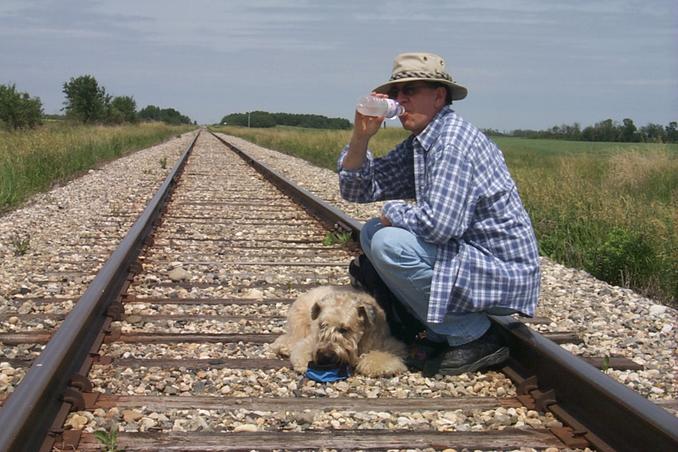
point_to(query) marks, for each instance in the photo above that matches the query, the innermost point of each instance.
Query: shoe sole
(492, 359)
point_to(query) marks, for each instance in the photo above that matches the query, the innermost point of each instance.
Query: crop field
(608, 208)
(31, 161)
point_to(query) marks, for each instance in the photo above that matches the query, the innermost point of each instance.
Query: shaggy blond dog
(337, 326)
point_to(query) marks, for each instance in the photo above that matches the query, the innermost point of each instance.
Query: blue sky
(527, 64)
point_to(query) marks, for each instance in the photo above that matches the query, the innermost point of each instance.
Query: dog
(337, 326)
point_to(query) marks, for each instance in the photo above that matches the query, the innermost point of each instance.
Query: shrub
(86, 101)
(19, 110)
(123, 109)
(624, 257)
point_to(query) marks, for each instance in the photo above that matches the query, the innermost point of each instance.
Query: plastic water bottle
(379, 106)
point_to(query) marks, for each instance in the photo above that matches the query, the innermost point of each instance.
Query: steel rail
(29, 412)
(614, 416)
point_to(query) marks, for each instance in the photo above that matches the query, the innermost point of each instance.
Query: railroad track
(169, 339)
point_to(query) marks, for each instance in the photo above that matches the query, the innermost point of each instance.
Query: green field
(31, 161)
(608, 208)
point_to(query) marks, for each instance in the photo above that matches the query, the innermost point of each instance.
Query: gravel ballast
(84, 220)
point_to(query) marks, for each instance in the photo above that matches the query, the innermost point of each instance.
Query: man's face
(421, 101)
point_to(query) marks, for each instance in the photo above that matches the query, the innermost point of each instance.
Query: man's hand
(365, 127)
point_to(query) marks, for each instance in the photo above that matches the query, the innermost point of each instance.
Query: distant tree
(587, 134)
(53, 116)
(168, 115)
(172, 116)
(265, 119)
(629, 131)
(149, 113)
(672, 132)
(607, 130)
(572, 132)
(86, 101)
(235, 119)
(19, 110)
(492, 132)
(122, 109)
(251, 119)
(339, 123)
(261, 119)
(653, 133)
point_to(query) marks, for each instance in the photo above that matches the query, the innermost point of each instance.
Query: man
(465, 248)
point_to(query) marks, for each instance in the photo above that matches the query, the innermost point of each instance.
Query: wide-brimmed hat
(409, 67)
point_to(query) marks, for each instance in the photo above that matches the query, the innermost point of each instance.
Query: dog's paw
(300, 355)
(280, 347)
(380, 364)
(299, 366)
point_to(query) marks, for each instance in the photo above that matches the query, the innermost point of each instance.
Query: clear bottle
(379, 106)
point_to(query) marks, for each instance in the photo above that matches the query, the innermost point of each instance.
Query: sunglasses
(408, 89)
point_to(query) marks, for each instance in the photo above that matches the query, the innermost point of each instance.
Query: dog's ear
(315, 311)
(367, 313)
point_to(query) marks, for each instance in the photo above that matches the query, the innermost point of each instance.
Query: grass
(32, 161)
(608, 208)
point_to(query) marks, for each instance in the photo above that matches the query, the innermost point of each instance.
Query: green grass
(608, 208)
(32, 161)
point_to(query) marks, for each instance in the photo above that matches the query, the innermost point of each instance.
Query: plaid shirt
(467, 204)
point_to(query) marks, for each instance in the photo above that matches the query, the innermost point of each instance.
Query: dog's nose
(326, 357)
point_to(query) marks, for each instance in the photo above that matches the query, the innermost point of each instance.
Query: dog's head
(340, 321)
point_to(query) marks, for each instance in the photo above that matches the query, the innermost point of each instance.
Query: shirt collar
(430, 134)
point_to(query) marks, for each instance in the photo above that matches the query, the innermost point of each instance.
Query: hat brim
(458, 92)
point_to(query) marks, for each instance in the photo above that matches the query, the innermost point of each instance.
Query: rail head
(28, 413)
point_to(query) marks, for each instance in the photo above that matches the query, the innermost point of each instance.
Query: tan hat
(408, 67)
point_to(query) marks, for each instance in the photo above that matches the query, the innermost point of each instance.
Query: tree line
(607, 130)
(266, 119)
(86, 102)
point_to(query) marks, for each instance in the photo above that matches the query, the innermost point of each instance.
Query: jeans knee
(384, 248)
(367, 232)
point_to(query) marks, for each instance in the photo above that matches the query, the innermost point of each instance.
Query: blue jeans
(405, 263)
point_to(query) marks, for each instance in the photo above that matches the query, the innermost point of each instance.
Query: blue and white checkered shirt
(467, 204)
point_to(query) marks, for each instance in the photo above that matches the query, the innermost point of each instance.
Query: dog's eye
(344, 331)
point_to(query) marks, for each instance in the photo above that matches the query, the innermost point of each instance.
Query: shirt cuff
(394, 211)
(364, 171)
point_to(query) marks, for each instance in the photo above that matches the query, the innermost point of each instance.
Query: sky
(528, 64)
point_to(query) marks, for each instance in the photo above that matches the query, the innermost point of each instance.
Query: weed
(334, 238)
(21, 243)
(108, 439)
(163, 162)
